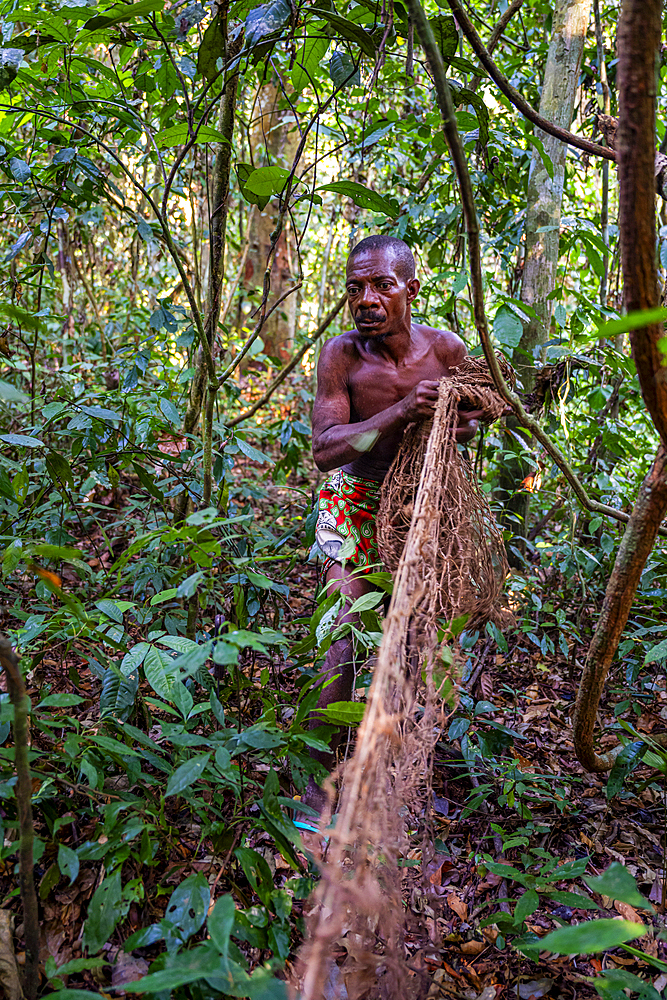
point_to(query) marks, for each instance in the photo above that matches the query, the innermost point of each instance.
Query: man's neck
(395, 345)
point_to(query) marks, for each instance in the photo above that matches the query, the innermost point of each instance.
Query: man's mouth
(370, 320)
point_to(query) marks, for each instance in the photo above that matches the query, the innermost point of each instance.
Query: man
(371, 383)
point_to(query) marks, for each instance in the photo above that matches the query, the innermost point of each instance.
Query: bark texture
(545, 193)
(633, 552)
(21, 705)
(638, 45)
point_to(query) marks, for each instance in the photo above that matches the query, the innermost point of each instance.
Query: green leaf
(123, 12)
(633, 321)
(187, 774)
(59, 470)
(343, 70)
(345, 713)
(22, 440)
(574, 899)
(446, 35)
(20, 170)
(68, 862)
(591, 937)
(348, 29)
(62, 700)
(526, 905)
(656, 653)
(8, 392)
(160, 673)
(266, 20)
(186, 910)
(106, 909)
(266, 181)
(10, 60)
(363, 197)
(617, 883)
(628, 759)
(507, 328)
(211, 49)
(243, 172)
(178, 135)
(170, 411)
(202, 962)
(307, 62)
(221, 922)
(118, 694)
(253, 453)
(110, 609)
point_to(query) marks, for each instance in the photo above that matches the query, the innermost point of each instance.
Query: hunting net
(440, 538)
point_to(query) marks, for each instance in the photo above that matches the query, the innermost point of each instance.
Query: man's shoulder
(448, 345)
(344, 345)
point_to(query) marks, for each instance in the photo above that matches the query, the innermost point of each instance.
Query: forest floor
(529, 802)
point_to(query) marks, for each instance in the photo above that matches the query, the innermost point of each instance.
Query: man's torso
(375, 383)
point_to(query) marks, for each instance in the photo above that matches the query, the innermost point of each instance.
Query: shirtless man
(371, 383)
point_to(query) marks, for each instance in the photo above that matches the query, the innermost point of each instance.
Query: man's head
(381, 285)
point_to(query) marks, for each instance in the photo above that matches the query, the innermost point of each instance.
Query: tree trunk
(543, 212)
(272, 143)
(638, 45)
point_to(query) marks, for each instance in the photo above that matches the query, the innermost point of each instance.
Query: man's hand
(468, 424)
(420, 402)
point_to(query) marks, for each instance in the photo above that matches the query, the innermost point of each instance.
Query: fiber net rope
(436, 520)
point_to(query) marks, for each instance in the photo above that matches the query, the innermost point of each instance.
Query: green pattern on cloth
(347, 508)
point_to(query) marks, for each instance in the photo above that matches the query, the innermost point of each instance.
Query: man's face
(379, 299)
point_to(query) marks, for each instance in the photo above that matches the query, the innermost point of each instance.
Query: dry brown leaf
(473, 947)
(485, 686)
(627, 912)
(456, 904)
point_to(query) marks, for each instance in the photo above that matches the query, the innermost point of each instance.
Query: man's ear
(413, 287)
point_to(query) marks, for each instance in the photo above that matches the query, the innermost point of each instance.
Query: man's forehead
(373, 262)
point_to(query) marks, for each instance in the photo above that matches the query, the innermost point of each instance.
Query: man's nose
(368, 297)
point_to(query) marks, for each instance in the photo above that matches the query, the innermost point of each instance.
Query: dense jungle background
(180, 186)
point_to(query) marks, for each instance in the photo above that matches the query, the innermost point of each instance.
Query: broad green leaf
(507, 328)
(211, 49)
(134, 658)
(187, 774)
(446, 35)
(363, 197)
(628, 759)
(253, 453)
(656, 653)
(110, 609)
(617, 883)
(105, 910)
(574, 899)
(22, 440)
(122, 13)
(160, 673)
(526, 905)
(170, 411)
(633, 321)
(307, 62)
(345, 713)
(186, 910)
(178, 135)
(221, 922)
(367, 601)
(266, 20)
(59, 470)
(201, 962)
(61, 700)
(20, 170)
(68, 862)
(118, 694)
(266, 181)
(591, 937)
(243, 172)
(348, 29)
(343, 70)
(8, 392)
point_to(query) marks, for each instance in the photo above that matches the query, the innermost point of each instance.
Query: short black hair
(404, 261)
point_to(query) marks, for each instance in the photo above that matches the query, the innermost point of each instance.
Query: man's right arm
(337, 442)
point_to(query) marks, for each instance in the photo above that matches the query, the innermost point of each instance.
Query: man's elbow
(322, 458)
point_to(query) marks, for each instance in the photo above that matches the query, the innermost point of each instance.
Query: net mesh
(439, 537)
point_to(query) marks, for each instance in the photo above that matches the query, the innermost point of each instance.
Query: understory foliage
(170, 632)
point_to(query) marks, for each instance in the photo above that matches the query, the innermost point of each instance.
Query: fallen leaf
(474, 948)
(456, 904)
(627, 912)
(127, 969)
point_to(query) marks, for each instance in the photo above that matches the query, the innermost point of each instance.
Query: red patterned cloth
(347, 509)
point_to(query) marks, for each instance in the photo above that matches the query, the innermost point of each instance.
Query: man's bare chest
(376, 385)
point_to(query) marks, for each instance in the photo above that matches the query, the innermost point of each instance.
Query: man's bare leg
(339, 663)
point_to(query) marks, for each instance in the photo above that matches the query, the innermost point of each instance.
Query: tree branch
(324, 325)
(513, 95)
(446, 105)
